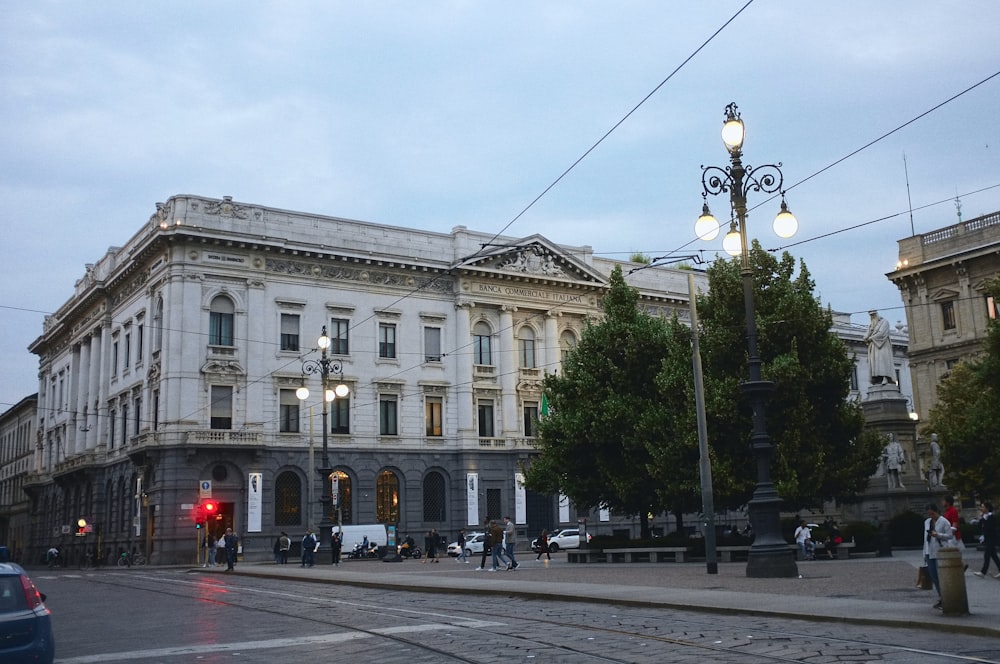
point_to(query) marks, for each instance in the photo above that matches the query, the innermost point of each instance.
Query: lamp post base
(772, 562)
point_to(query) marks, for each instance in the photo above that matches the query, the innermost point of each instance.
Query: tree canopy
(622, 430)
(967, 418)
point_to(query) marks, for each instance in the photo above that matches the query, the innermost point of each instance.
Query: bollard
(951, 574)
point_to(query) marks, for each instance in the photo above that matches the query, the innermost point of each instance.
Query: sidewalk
(877, 591)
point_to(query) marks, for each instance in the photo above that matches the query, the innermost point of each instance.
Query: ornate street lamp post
(769, 555)
(325, 367)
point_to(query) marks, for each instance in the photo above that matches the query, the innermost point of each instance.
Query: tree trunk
(679, 515)
(644, 531)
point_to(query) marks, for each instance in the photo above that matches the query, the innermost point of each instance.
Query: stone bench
(585, 556)
(727, 554)
(654, 554)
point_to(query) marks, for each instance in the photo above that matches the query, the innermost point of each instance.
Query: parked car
(25, 623)
(473, 544)
(567, 538)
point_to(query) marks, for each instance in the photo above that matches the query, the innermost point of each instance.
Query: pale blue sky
(434, 114)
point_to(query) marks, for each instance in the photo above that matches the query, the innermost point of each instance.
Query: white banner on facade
(335, 489)
(137, 515)
(604, 514)
(255, 502)
(563, 509)
(520, 500)
(472, 499)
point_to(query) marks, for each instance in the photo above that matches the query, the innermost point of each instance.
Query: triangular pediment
(942, 294)
(533, 256)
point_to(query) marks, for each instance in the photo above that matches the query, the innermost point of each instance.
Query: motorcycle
(407, 551)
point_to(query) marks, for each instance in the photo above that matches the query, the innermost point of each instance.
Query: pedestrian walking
(431, 541)
(230, 540)
(543, 546)
(510, 542)
(498, 552)
(462, 557)
(309, 543)
(487, 544)
(988, 536)
(937, 533)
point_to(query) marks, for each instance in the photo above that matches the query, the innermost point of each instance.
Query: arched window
(387, 497)
(288, 499)
(220, 321)
(526, 348)
(567, 342)
(481, 351)
(345, 503)
(434, 503)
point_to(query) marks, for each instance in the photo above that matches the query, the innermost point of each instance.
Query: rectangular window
(530, 418)
(220, 328)
(222, 407)
(340, 410)
(128, 350)
(854, 378)
(114, 359)
(386, 340)
(139, 331)
(526, 353)
(156, 409)
(485, 411)
(433, 408)
(339, 336)
(137, 417)
(481, 353)
(112, 419)
(288, 415)
(432, 344)
(124, 423)
(948, 315)
(387, 415)
(290, 332)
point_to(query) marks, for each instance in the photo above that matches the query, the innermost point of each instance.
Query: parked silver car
(567, 538)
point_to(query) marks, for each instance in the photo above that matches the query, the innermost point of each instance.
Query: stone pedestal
(886, 412)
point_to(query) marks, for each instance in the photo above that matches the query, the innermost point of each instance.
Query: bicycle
(127, 559)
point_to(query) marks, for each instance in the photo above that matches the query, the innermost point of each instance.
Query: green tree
(822, 450)
(967, 418)
(595, 441)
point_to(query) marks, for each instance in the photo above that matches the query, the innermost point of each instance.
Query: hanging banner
(563, 509)
(255, 502)
(335, 489)
(472, 499)
(520, 500)
(604, 514)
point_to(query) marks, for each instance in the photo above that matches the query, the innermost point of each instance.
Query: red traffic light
(210, 508)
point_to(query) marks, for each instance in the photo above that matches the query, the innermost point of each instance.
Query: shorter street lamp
(769, 555)
(325, 367)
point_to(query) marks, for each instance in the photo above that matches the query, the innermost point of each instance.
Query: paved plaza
(879, 591)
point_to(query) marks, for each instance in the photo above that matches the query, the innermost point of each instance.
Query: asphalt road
(174, 615)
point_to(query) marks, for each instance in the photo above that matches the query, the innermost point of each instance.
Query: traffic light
(211, 509)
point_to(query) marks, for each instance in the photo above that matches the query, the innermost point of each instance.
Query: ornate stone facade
(171, 374)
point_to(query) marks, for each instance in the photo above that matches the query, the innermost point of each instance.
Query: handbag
(924, 579)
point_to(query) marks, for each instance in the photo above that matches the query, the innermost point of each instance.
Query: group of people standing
(230, 544)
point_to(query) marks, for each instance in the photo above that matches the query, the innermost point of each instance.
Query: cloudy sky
(440, 113)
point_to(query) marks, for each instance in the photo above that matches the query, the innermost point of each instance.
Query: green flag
(545, 405)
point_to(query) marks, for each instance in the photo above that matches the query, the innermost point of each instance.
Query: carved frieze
(439, 284)
(226, 208)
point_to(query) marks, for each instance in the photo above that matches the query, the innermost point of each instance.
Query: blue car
(25, 623)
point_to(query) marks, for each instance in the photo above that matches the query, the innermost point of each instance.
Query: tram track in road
(511, 628)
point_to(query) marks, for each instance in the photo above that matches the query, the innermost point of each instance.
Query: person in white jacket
(937, 533)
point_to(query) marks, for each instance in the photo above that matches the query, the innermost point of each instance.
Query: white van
(354, 535)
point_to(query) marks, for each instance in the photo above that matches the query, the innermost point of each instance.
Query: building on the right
(942, 277)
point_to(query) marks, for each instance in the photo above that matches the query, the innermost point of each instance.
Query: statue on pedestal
(893, 458)
(935, 472)
(881, 369)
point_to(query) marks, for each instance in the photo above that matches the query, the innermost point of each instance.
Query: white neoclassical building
(170, 376)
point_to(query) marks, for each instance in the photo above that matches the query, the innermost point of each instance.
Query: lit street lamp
(324, 366)
(769, 555)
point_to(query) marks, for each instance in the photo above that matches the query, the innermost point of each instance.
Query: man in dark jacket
(230, 540)
(988, 536)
